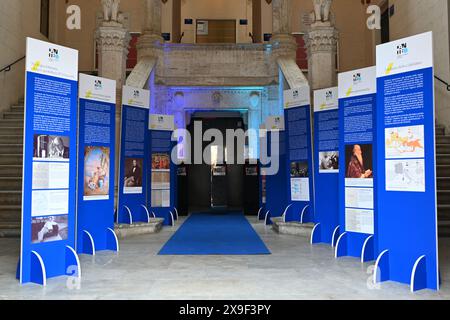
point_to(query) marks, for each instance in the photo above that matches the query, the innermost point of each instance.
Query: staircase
(11, 146)
(443, 181)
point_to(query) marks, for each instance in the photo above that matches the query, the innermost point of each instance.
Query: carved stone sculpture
(111, 10)
(321, 10)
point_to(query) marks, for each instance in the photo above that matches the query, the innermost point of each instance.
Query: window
(45, 15)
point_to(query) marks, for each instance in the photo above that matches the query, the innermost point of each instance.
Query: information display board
(326, 168)
(163, 172)
(406, 179)
(297, 111)
(134, 156)
(357, 105)
(49, 163)
(96, 165)
(275, 192)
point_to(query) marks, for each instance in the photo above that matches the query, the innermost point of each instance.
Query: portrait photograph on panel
(133, 172)
(358, 161)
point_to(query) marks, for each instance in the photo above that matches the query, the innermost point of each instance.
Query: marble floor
(294, 270)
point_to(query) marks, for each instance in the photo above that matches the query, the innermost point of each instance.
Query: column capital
(322, 39)
(113, 38)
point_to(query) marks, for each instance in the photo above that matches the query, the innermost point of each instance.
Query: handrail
(8, 67)
(444, 82)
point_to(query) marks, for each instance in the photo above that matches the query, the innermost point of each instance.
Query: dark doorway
(218, 186)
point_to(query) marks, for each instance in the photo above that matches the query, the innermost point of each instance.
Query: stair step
(443, 148)
(440, 130)
(443, 183)
(443, 197)
(17, 123)
(11, 139)
(443, 139)
(17, 108)
(10, 231)
(443, 171)
(10, 198)
(13, 115)
(11, 148)
(442, 159)
(12, 159)
(10, 130)
(11, 171)
(10, 214)
(10, 184)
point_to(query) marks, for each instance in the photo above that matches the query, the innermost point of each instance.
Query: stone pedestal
(321, 42)
(113, 41)
(292, 228)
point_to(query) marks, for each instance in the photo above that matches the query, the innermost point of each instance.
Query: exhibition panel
(49, 163)
(96, 163)
(406, 158)
(326, 167)
(162, 172)
(274, 168)
(299, 157)
(134, 156)
(358, 168)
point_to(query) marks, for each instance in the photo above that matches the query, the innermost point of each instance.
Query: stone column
(113, 41)
(281, 25)
(321, 42)
(152, 28)
(281, 16)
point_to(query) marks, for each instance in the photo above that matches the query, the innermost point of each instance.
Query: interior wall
(18, 20)
(409, 19)
(217, 9)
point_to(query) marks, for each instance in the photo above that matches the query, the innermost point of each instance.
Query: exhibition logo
(98, 84)
(329, 95)
(295, 94)
(402, 50)
(53, 55)
(357, 78)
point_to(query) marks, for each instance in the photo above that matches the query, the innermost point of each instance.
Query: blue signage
(49, 164)
(406, 156)
(134, 157)
(326, 168)
(96, 165)
(358, 166)
(300, 174)
(162, 173)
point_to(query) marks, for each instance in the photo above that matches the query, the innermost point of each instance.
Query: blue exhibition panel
(96, 165)
(161, 196)
(357, 164)
(49, 163)
(407, 215)
(326, 168)
(299, 158)
(276, 182)
(134, 157)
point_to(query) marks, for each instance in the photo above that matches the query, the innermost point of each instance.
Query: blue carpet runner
(215, 234)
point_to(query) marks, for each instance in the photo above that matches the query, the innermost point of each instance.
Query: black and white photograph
(329, 162)
(49, 229)
(51, 147)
